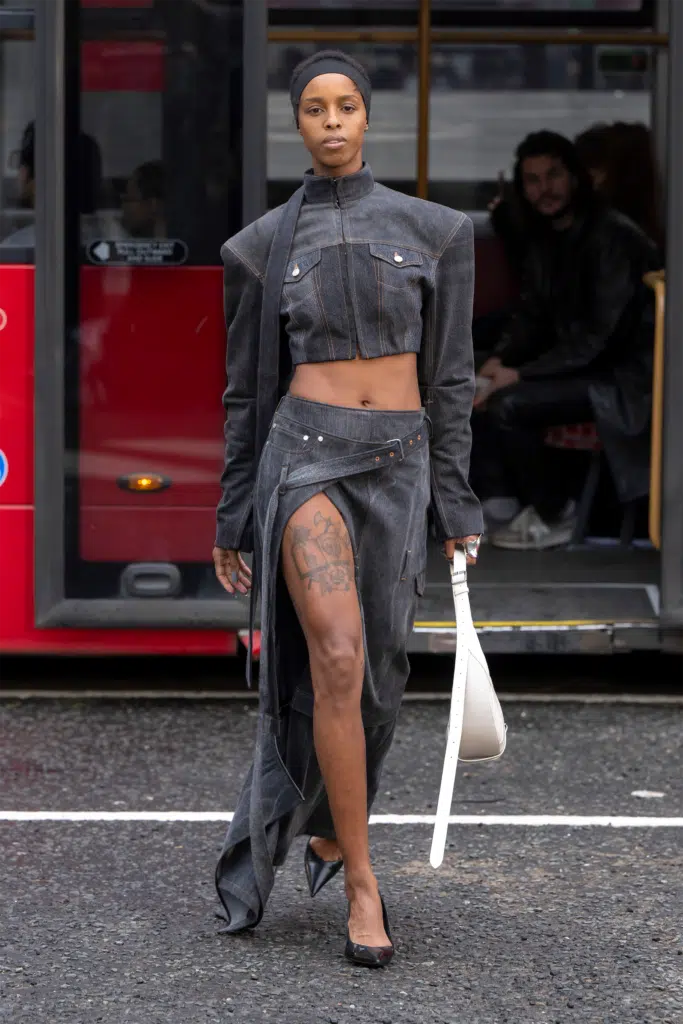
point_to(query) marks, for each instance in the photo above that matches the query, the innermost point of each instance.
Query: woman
(331, 487)
(621, 161)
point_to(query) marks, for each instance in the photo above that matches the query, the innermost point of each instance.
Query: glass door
(152, 151)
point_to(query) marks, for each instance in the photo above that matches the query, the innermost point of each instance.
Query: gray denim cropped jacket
(369, 270)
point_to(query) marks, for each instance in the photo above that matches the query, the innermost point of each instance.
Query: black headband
(329, 66)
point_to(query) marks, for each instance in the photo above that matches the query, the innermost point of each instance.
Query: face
(598, 176)
(548, 185)
(332, 122)
(139, 215)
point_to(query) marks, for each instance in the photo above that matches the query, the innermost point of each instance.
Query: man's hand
(500, 377)
(450, 545)
(229, 566)
(490, 367)
(505, 377)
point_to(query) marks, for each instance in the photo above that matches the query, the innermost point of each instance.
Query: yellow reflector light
(144, 482)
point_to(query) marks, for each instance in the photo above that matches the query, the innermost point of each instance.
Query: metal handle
(657, 281)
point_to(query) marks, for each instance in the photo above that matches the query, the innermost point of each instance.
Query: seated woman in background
(621, 161)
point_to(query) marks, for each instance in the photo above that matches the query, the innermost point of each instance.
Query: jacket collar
(347, 188)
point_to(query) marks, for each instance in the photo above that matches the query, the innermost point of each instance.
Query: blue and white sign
(4, 468)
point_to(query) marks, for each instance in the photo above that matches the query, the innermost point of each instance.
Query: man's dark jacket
(585, 312)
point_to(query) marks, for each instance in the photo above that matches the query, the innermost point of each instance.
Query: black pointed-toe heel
(370, 956)
(319, 871)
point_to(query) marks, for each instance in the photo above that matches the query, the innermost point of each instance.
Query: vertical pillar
(424, 80)
(672, 475)
(255, 111)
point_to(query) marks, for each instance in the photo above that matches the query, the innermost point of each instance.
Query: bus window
(485, 99)
(337, 8)
(154, 189)
(17, 144)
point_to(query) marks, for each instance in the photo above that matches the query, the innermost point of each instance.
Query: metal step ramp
(558, 601)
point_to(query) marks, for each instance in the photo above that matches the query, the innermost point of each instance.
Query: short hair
(88, 166)
(149, 178)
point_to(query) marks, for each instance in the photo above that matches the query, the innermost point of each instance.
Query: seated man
(88, 176)
(143, 202)
(578, 349)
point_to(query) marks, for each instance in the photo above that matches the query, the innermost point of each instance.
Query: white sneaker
(528, 532)
(500, 511)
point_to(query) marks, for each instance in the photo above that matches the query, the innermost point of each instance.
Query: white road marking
(252, 695)
(528, 820)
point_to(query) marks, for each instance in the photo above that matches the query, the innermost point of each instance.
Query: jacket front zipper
(346, 273)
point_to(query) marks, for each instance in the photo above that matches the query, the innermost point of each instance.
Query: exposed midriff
(387, 382)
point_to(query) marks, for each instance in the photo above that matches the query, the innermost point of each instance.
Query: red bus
(136, 136)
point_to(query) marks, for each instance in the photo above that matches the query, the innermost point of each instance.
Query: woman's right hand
(229, 566)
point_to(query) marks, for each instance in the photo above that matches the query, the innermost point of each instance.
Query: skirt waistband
(374, 425)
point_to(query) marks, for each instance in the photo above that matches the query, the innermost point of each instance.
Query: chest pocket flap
(396, 255)
(299, 267)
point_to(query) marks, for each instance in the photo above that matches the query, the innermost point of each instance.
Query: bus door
(146, 138)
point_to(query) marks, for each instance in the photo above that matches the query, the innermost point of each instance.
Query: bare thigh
(318, 566)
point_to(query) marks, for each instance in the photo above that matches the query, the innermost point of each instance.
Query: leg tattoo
(323, 555)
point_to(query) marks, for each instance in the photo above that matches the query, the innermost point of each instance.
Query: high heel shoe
(370, 956)
(319, 871)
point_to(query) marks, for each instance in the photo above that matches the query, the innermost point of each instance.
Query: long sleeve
(581, 340)
(526, 334)
(243, 294)
(446, 371)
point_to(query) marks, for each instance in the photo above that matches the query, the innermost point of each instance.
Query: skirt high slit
(374, 467)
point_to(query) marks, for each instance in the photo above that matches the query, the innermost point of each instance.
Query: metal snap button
(296, 271)
(398, 257)
(419, 437)
(320, 437)
(376, 458)
(305, 437)
(391, 455)
(410, 442)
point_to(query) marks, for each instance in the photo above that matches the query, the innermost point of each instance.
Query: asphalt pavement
(115, 921)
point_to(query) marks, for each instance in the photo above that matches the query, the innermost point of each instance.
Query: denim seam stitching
(452, 235)
(380, 305)
(321, 308)
(243, 259)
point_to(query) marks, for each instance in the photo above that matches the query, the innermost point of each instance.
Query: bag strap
(269, 333)
(463, 619)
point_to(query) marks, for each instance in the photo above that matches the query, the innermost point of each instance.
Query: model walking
(366, 295)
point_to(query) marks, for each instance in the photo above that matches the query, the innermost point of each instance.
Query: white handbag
(476, 728)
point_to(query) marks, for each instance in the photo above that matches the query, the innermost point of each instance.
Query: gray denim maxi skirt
(374, 467)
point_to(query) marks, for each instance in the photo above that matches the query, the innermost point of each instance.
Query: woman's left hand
(450, 545)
